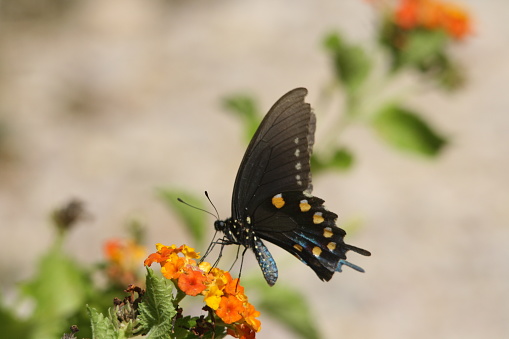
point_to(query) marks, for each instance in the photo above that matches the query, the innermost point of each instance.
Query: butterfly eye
(219, 225)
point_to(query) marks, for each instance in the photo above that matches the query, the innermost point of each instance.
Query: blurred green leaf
(407, 131)
(351, 63)
(423, 47)
(59, 290)
(286, 305)
(423, 50)
(342, 159)
(193, 219)
(12, 326)
(245, 107)
(157, 310)
(449, 75)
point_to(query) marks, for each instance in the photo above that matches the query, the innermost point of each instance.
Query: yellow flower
(213, 296)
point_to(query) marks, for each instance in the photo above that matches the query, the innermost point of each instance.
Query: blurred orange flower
(433, 14)
(123, 257)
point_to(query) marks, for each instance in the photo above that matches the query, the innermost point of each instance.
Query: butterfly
(272, 196)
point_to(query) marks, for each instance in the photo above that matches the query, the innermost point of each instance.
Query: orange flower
(233, 287)
(230, 309)
(406, 14)
(456, 22)
(123, 256)
(192, 282)
(433, 14)
(249, 314)
(172, 268)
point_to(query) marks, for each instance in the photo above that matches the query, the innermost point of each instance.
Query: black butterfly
(272, 196)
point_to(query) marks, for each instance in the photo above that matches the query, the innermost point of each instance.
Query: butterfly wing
(301, 225)
(271, 195)
(277, 158)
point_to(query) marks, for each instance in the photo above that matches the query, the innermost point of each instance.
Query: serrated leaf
(244, 107)
(123, 329)
(351, 63)
(405, 130)
(102, 327)
(157, 310)
(193, 219)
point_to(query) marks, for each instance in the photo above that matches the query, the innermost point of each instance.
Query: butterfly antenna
(215, 209)
(197, 208)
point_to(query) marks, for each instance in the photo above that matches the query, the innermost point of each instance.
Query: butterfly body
(272, 195)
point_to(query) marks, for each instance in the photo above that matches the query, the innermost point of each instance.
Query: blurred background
(106, 101)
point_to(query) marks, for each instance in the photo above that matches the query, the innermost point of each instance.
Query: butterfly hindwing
(300, 224)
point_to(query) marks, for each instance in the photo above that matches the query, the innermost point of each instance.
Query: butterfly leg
(237, 258)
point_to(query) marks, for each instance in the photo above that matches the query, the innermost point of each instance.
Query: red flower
(192, 282)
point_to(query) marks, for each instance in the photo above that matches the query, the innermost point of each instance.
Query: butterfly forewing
(277, 158)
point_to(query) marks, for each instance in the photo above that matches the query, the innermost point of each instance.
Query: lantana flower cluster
(221, 293)
(433, 14)
(123, 257)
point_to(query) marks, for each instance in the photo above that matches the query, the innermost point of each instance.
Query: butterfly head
(219, 225)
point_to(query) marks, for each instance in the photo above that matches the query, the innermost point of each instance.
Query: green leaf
(184, 324)
(351, 63)
(423, 47)
(12, 326)
(109, 327)
(342, 159)
(102, 327)
(157, 310)
(59, 290)
(405, 130)
(286, 305)
(193, 219)
(245, 107)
